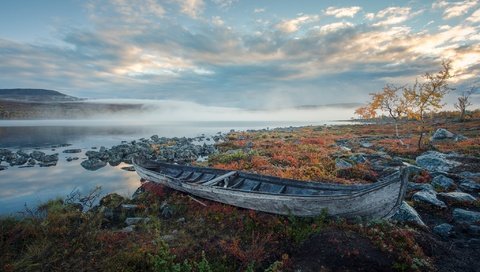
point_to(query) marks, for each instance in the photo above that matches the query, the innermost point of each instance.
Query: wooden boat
(277, 195)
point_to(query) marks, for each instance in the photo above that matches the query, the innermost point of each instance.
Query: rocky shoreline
(176, 149)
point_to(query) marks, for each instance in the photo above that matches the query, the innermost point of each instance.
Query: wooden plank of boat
(277, 195)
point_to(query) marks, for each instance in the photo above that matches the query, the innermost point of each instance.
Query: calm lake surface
(31, 186)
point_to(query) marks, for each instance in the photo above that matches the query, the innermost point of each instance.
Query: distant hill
(35, 95)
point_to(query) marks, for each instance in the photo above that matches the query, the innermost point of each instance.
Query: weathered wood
(219, 179)
(283, 196)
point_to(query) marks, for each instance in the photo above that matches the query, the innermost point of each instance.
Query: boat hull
(374, 201)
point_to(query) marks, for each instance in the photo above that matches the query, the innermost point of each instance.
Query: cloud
(393, 15)
(292, 25)
(192, 8)
(335, 26)
(224, 4)
(217, 20)
(259, 10)
(342, 12)
(454, 9)
(475, 17)
(142, 11)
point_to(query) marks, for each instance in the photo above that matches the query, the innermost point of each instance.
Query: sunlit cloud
(292, 25)
(454, 9)
(475, 17)
(342, 12)
(393, 15)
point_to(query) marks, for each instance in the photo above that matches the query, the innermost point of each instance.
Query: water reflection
(34, 185)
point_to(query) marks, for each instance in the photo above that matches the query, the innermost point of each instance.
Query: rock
(365, 144)
(70, 151)
(458, 197)
(93, 164)
(18, 160)
(442, 134)
(167, 237)
(101, 155)
(37, 155)
(429, 198)
(473, 230)
(139, 192)
(414, 170)
(358, 158)
(407, 214)
(444, 183)
(342, 164)
(47, 164)
(435, 162)
(129, 168)
(444, 230)
(136, 220)
(31, 162)
(112, 201)
(467, 175)
(21, 153)
(69, 159)
(469, 186)
(165, 210)
(181, 220)
(412, 186)
(465, 216)
(50, 158)
(459, 138)
(2, 167)
(5, 152)
(130, 228)
(129, 206)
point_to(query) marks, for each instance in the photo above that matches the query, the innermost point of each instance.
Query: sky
(235, 53)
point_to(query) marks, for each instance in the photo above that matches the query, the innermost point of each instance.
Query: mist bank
(159, 111)
(144, 112)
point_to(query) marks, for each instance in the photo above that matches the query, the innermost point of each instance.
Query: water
(32, 186)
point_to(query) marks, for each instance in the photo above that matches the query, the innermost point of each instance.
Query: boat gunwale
(272, 179)
(357, 192)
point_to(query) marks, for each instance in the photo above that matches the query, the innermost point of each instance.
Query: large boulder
(465, 216)
(469, 185)
(435, 161)
(428, 198)
(413, 186)
(407, 214)
(458, 197)
(93, 164)
(443, 183)
(442, 134)
(37, 155)
(72, 151)
(444, 230)
(342, 164)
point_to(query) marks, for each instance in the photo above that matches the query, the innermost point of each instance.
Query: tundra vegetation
(181, 234)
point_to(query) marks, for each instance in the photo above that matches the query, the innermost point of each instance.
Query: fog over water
(172, 110)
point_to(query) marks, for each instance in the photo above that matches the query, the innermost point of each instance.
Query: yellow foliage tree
(425, 97)
(390, 100)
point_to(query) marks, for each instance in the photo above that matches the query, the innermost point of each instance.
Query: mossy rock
(112, 201)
